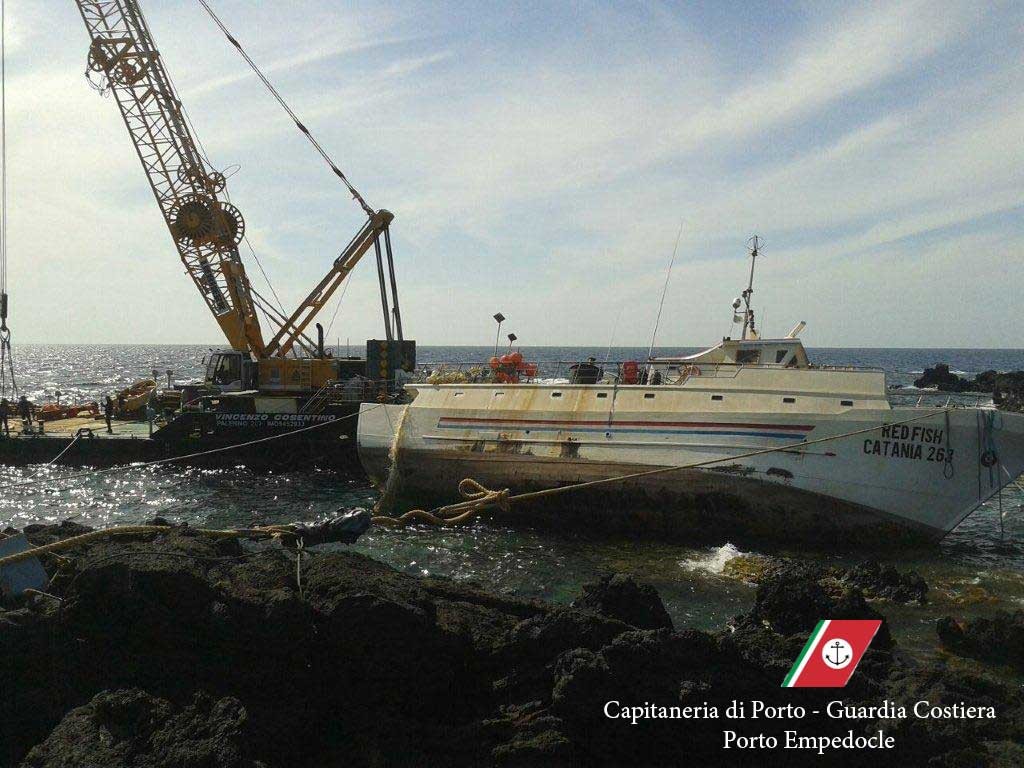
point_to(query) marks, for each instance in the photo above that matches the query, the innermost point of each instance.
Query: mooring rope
(78, 436)
(258, 533)
(479, 498)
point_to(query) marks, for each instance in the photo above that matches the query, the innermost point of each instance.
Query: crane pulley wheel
(229, 226)
(212, 182)
(193, 219)
(122, 67)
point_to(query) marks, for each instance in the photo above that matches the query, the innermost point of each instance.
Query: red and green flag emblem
(832, 653)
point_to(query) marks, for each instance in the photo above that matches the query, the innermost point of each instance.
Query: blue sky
(540, 157)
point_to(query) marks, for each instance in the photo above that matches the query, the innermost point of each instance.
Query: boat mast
(748, 314)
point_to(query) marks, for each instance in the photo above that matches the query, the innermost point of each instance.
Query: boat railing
(916, 398)
(562, 372)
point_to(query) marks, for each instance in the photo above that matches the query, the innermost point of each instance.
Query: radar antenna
(748, 313)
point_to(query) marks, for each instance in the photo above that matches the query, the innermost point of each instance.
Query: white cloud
(544, 174)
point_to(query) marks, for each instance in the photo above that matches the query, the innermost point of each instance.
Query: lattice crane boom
(205, 227)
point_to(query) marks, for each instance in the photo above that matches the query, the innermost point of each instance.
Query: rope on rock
(337, 529)
(479, 498)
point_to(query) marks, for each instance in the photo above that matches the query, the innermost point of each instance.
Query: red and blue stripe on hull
(793, 432)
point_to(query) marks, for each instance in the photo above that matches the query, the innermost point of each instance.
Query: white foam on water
(712, 561)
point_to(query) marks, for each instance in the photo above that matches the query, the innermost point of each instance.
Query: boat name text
(901, 441)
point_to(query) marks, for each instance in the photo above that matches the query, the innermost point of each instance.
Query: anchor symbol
(837, 661)
(837, 653)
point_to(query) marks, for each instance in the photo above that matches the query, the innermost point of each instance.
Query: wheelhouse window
(748, 356)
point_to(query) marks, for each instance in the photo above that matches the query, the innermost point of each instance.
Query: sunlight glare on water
(974, 570)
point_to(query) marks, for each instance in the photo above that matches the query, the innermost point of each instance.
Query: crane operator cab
(230, 371)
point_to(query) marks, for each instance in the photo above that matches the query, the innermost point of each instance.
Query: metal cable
(348, 282)
(7, 378)
(284, 105)
(3, 147)
(201, 148)
(664, 291)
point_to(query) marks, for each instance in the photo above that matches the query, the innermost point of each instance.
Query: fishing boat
(747, 438)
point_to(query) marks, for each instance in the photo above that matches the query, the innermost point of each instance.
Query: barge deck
(86, 442)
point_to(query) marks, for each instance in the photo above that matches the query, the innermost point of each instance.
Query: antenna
(748, 314)
(611, 341)
(664, 290)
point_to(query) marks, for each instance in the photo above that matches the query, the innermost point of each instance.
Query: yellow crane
(207, 228)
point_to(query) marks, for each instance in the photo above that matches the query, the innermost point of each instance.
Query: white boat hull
(917, 480)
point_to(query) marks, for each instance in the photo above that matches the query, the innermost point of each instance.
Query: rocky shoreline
(176, 649)
(1007, 389)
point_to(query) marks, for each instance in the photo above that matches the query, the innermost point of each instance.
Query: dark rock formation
(874, 580)
(1007, 388)
(794, 597)
(998, 639)
(886, 583)
(131, 729)
(621, 597)
(175, 649)
(942, 379)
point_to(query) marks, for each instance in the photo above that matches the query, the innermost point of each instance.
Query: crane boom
(205, 227)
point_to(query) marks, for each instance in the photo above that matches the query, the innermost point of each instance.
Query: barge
(220, 423)
(274, 383)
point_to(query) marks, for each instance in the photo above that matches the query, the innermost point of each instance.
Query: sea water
(979, 567)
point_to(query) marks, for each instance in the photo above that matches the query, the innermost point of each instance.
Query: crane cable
(284, 105)
(201, 149)
(7, 379)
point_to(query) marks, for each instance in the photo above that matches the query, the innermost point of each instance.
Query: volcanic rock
(131, 729)
(176, 649)
(942, 379)
(885, 582)
(998, 639)
(621, 597)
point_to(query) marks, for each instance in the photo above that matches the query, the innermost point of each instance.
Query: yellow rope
(270, 531)
(479, 498)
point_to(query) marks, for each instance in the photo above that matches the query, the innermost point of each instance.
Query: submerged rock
(750, 568)
(885, 582)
